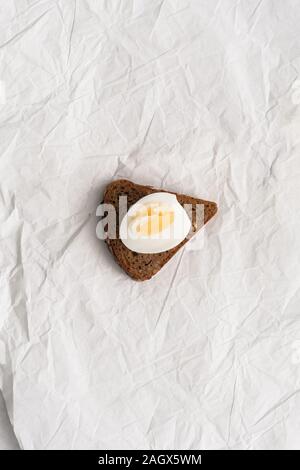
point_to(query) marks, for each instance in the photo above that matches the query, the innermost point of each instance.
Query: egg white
(166, 239)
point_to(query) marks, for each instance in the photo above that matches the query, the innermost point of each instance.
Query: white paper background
(7, 438)
(199, 96)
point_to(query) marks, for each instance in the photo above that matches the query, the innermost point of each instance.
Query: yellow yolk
(152, 220)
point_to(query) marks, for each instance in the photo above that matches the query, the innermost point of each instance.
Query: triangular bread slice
(140, 266)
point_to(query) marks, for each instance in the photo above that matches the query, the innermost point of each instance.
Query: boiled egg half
(154, 224)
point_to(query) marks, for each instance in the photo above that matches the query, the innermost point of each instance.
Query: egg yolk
(152, 220)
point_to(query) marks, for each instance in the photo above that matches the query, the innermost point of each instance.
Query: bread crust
(141, 266)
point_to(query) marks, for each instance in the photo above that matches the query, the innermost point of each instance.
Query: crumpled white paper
(7, 437)
(196, 96)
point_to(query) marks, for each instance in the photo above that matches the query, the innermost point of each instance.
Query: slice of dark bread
(140, 266)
